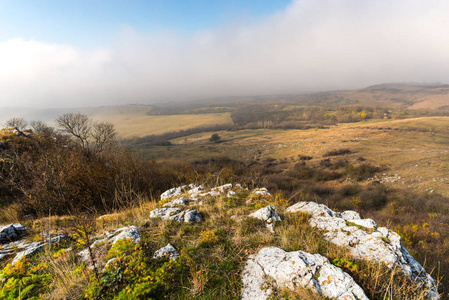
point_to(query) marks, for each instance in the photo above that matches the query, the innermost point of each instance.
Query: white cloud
(312, 45)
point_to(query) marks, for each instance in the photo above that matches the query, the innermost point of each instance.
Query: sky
(76, 53)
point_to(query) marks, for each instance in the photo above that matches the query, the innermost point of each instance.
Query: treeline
(288, 116)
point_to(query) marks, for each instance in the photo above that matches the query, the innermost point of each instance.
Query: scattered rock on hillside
(164, 213)
(293, 269)
(129, 232)
(11, 232)
(177, 191)
(231, 194)
(33, 247)
(268, 214)
(177, 202)
(366, 241)
(261, 192)
(167, 252)
(188, 216)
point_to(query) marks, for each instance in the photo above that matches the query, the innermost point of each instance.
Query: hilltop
(379, 172)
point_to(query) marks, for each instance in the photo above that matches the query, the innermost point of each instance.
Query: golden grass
(413, 149)
(139, 124)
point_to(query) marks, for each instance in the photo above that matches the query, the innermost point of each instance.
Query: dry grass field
(139, 124)
(413, 153)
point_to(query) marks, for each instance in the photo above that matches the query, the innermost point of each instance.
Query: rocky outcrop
(187, 216)
(194, 193)
(177, 202)
(129, 232)
(11, 233)
(273, 268)
(166, 252)
(177, 191)
(365, 240)
(27, 249)
(164, 213)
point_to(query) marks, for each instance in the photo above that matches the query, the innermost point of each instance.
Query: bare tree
(78, 125)
(41, 128)
(103, 134)
(18, 123)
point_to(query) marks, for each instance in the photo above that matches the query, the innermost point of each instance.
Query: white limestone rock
(294, 269)
(367, 223)
(366, 241)
(11, 232)
(129, 232)
(268, 214)
(177, 191)
(261, 192)
(188, 216)
(164, 213)
(312, 208)
(166, 252)
(350, 215)
(222, 188)
(33, 247)
(231, 194)
(177, 202)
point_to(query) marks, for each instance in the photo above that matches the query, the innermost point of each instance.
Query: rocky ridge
(271, 268)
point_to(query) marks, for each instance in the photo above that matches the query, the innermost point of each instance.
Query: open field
(413, 152)
(140, 124)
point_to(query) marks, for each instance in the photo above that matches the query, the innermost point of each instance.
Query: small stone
(166, 252)
(231, 194)
(261, 192)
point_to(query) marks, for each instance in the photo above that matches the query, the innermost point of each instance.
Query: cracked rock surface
(365, 240)
(279, 268)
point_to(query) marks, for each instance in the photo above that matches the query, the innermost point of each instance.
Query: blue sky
(95, 22)
(67, 53)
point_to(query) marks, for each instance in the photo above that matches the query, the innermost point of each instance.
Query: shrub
(22, 281)
(337, 152)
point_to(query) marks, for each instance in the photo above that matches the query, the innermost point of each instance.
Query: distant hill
(410, 95)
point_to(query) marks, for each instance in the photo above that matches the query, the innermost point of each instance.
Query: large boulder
(273, 267)
(365, 240)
